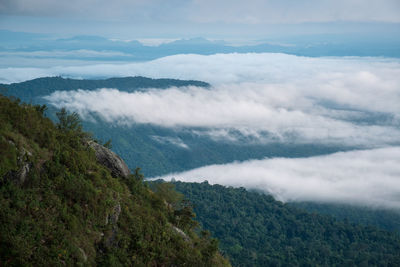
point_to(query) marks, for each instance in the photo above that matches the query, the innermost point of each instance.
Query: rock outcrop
(181, 233)
(111, 160)
(24, 165)
(113, 220)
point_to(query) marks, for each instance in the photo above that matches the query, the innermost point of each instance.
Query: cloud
(278, 11)
(101, 10)
(249, 110)
(271, 97)
(365, 177)
(207, 11)
(170, 140)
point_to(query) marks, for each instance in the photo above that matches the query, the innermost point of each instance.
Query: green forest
(256, 230)
(60, 207)
(387, 219)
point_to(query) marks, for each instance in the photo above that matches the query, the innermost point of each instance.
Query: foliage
(386, 219)
(108, 144)
(71, 211)
(256, 230)
(68, 122)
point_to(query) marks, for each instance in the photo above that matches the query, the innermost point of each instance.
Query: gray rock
(110, 240)
(84, 256)
(113, 217)
(181, 233)
(22, 173)
(24, 166)
(111, 160)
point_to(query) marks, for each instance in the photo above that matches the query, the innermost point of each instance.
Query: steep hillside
(66, 200)
(256, 230)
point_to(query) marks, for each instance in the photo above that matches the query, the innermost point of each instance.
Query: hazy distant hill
(33, 90)
(307, 45)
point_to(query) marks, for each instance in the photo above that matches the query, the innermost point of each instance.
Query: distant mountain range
(312, 45)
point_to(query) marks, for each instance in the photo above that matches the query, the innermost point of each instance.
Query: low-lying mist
(363, 177)
(271, 97)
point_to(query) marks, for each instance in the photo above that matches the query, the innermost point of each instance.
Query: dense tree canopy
(256, 230)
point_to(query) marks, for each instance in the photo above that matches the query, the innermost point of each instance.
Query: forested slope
(29, 90)
(256, 230)
(59, 206)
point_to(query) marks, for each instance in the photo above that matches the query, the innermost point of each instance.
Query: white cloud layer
(353, 101)
(250, 109)
(170, 140)
(365, 177)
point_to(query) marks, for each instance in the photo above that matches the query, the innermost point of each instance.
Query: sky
(188, 18)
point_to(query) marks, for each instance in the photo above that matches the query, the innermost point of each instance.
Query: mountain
(256, 230)
(384, 44)
(159, 151)
(66, 200)
(34, 90)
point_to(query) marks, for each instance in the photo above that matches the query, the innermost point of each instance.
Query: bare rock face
(111, 160)
(110, 240)
(181, 233)
(24, 166)
(22, 173)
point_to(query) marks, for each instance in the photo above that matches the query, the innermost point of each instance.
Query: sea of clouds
(343, 101)
(353, 102)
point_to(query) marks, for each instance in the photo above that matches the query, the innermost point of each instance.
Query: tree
(68, 122)
(167, 192)
(41, 108)
(108, 144)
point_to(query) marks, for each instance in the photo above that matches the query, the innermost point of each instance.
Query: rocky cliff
(110, 160)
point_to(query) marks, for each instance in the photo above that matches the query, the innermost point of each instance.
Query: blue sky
(188, 18)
